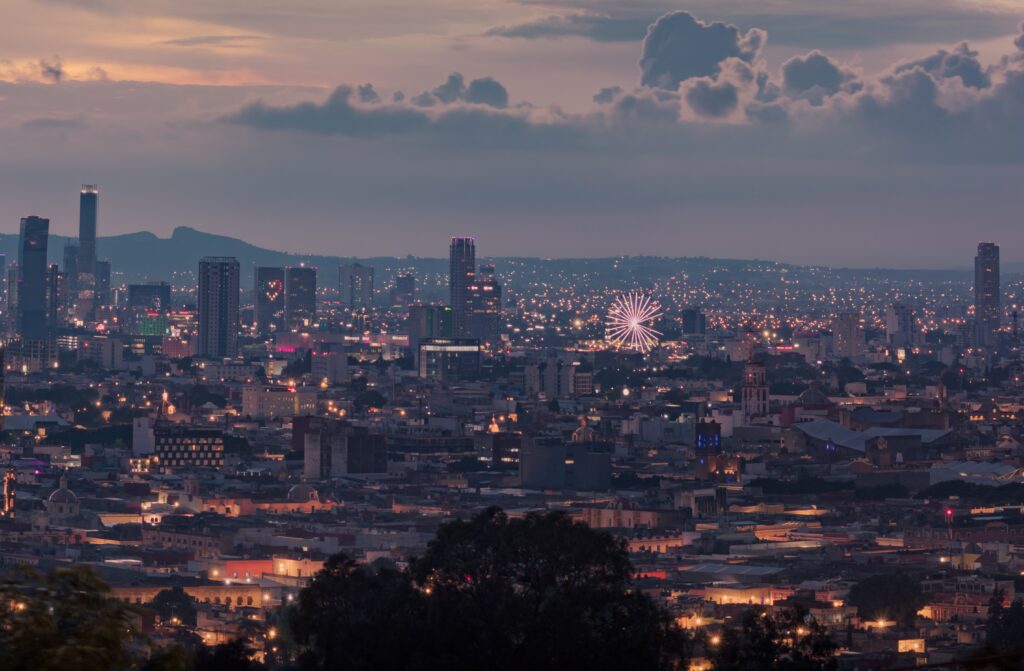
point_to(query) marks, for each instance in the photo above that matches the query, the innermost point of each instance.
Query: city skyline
(567, 133)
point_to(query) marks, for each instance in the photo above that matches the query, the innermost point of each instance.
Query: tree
(174, 604)
(887, 596)
(785, 641)
(492, 592)
(65, 619)
(371, 398)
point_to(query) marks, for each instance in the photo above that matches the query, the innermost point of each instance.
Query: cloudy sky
(849, 132)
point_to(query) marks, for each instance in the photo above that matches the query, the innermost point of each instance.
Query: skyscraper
(71, 274)
(269, 299)
(218, 306)
(32, 278)
(485, 296)
(87, 229)
(299, 297)
(847, 336)
(355, 284)
(428, 322)
(987, 311)
(899, 325)
(102, 269)
(404, 292)
(461, 273)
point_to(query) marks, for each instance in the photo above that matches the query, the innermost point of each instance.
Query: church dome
(302, 492)
(63, 494)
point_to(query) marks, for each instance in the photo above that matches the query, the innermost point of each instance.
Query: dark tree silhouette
(784, 641)
(895, 597)
(491, 592)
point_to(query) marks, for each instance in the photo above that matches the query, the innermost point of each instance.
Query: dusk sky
(847, 132)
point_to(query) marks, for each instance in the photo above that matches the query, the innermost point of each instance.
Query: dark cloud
(607, 94)
(367, 94)
(483, 91)
(712, 99)
(51, 70)
(815, 76)
(680, 46)
(961, 62)
(486, 91)
(54, 123)
(337, 115)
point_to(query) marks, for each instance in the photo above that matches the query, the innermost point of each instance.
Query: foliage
(492, 592)
(371, 398)
(65, 619)
(788, 640)
(894, 596)
(174, 603)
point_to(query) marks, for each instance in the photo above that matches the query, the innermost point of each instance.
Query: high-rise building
(899, 325)
(299, 297)
(87, 229)
(71, 273)
(461, 274)
(754, 392)
(694, 322)
(428, 322)
(218, 306)
(150, 296)
(102, 294)
(987, 310)
(404, 292)
(847, 336)
(56, 296)
(32, 278)
(485, 316)
(269, 299)
(355, 284)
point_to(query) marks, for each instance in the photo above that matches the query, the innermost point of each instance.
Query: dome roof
(813, 395)
(303, 492)
(63, 495)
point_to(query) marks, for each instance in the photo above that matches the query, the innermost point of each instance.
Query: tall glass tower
(987, 310)
(461, 274)
(218, 306)
(33, 278)
(87, 229)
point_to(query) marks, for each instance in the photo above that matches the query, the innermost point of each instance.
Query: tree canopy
(491, 592)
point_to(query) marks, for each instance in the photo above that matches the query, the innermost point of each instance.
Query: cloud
(483, 91)
(961, 62)
(815, 76)
(210, 40)
(51, 70)
(607, 94)
(54, 123)
(679, 46)
(598, 27)
(367, 94)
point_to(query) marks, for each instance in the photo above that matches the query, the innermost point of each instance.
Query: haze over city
(841, 133)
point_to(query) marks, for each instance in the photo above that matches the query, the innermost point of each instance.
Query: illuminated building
(355, 285)
(269, 299)
(218, 307)
(485, 296)
(987, 314)
(10, 492)
(182, 447)
(754, 393)
(429, 321)
(270, 402)
(847, 336)
(449, 359)
(102, 283)
(87, 205)
(461, 275)
(32, 278)
(404, 292)
(899, 325)
(299, 297)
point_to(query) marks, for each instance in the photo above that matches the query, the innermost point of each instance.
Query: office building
(56, 297)
(461, 274)
(102, 276)
(268, 299)
(427, 322)
(217, 301)
(987, 309)
(355, 285)
(179, 447)
(333, 449)
(87, 229)
(299, 298)
(151, 296)
(485, 297)
(404, 291)
(32, 278)
(71, 271)
(694, 322)
(449, 359)
(847, 335)
(899, 325)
